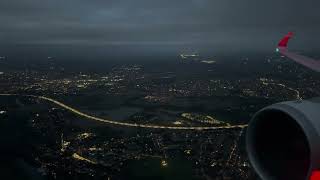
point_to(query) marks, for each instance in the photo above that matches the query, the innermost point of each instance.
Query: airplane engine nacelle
(283, 141)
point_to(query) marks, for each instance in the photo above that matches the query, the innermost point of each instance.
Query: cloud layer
(216, 23)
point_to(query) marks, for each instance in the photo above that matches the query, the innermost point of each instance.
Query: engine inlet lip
(305, 124)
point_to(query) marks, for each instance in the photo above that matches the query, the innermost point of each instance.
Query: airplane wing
(303, 60)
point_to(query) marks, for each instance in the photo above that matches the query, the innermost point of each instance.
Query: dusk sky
(167, 24)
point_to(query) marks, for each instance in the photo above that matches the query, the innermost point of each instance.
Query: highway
(111, 122)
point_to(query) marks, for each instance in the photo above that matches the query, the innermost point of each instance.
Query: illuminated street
(125, 124)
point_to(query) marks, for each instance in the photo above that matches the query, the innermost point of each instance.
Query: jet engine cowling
(283, 140)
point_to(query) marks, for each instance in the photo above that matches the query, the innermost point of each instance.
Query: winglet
(284, 41)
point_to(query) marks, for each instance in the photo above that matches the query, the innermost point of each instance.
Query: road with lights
(111, 122)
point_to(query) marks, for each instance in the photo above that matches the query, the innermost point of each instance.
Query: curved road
(108, 121)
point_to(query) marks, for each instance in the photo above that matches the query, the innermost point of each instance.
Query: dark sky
(156, 25)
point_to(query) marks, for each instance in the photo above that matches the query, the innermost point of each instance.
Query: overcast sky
(236, 24)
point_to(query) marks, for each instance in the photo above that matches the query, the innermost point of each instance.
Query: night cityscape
(61, 143)
(146, 89)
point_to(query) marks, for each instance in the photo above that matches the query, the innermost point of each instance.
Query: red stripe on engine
(315, 175)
